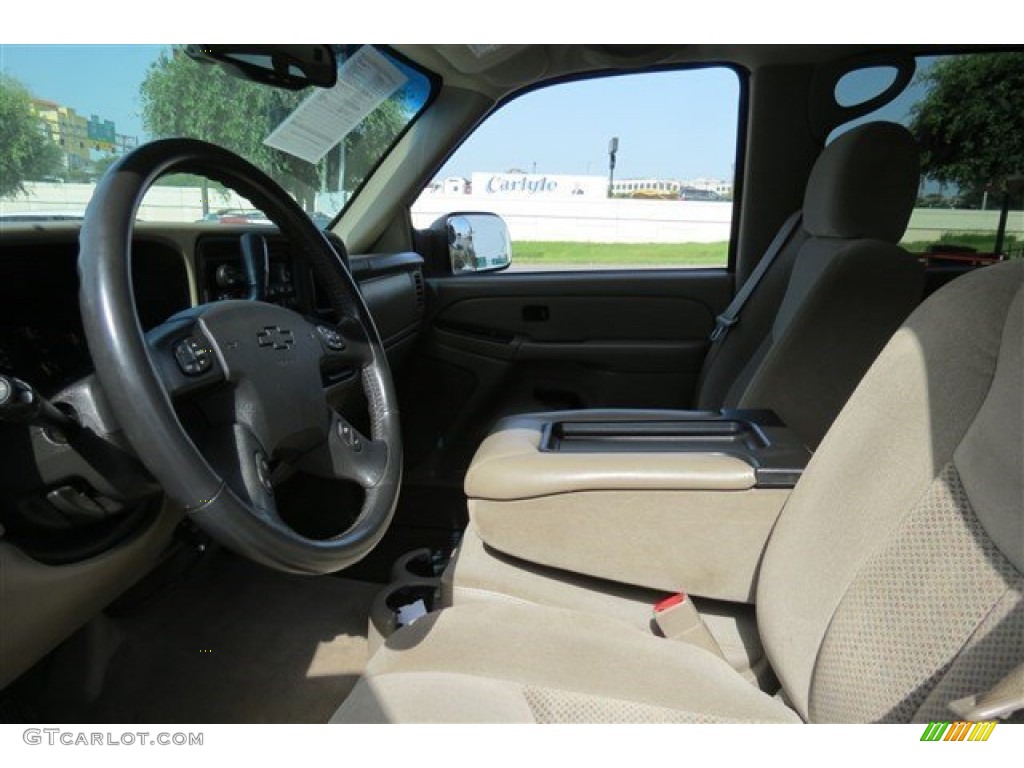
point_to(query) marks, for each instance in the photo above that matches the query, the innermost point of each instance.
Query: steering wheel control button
(331, 338)
(263, 471)
(193, 357)
(349, 437)
(275, 337)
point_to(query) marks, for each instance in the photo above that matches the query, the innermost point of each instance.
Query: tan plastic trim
(510, 465)
(41, 605)
(709, 543)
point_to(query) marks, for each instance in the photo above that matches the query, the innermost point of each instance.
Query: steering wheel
(253, 368)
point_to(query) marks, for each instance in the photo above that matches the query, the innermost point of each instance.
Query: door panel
(560, 318)
(511, 343)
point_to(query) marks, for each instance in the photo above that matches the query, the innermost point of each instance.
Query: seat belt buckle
(678, 619)
(1002, 701)
(722, 326)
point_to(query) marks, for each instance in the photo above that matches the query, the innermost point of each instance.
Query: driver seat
(892, 584)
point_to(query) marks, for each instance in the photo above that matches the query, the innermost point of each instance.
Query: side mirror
(477, 242)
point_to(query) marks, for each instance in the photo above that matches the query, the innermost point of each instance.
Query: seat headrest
(864, 184)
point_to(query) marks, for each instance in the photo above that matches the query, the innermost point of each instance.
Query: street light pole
(613, 148)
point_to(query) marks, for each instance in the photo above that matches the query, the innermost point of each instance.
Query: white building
(455, 185)
(670, 188)
(641, 187)
(718, 186)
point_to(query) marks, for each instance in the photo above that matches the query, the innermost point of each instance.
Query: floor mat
(239, 644)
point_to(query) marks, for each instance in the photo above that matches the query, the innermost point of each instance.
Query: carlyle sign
(500, 182)
(536, 185)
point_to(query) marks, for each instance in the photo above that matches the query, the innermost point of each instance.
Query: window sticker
(365, 81)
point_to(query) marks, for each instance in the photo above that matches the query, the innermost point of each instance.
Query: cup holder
(407, 593)
(398, 603)
(418, 564)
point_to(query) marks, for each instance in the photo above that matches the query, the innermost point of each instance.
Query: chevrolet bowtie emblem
(272, 336)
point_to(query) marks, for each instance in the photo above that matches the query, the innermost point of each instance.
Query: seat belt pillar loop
(723, 325)
(731, 316)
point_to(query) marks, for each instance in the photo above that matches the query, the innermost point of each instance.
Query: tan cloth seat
(810, 330)
(480, 574)
(892, 584)
(835, 294)
(522, 664)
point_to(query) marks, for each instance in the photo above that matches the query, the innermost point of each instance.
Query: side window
(965, 112)
(620, 172)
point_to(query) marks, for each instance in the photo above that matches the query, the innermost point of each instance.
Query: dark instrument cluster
(41, 338)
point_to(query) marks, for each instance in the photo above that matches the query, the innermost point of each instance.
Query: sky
(676, 125)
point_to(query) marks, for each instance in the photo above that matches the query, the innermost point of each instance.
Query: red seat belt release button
(678, 619)
(669, 602)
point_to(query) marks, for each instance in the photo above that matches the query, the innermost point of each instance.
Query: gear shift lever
(20, 402)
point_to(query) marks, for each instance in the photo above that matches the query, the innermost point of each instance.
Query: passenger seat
(824, 309)
(836, 292)
(891, 589)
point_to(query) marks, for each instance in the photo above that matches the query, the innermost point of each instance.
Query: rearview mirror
(293, 67)
(478, 242)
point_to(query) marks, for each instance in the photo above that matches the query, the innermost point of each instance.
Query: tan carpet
(239, 644)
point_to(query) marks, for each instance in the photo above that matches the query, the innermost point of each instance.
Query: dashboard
(173, 268)
(69, 544)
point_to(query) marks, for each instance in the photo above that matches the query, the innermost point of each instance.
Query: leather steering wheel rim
(136, 384)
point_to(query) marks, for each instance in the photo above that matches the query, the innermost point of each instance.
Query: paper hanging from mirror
(365, 81)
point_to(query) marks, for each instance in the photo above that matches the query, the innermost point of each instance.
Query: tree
(181, 97)
(365, 145)
(969, 122)
(27, 153)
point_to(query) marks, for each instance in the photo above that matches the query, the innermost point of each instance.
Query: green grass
(535, 253)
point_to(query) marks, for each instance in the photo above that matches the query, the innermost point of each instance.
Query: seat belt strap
(1001, 701)
(725, 321)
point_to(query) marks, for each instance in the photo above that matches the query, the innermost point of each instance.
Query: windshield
(68, 112)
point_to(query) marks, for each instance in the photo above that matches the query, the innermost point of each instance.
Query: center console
(604, 511)
(656, 499)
